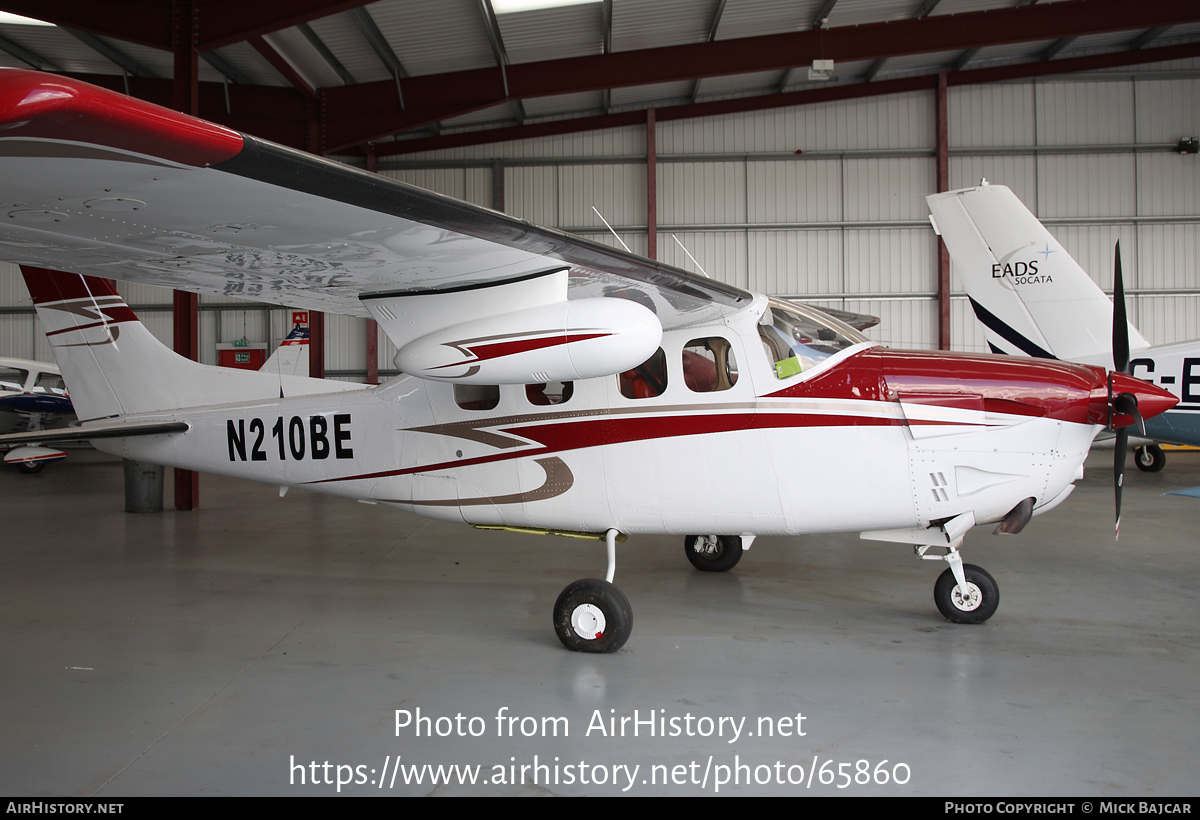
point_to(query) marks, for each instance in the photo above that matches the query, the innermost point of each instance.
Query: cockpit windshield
(798, 338)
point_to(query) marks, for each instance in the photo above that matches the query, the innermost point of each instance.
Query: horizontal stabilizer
(96, 431)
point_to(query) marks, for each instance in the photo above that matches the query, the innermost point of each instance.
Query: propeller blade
(1120, 339)
(1122, 449)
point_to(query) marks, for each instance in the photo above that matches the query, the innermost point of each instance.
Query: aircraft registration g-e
(555, 384)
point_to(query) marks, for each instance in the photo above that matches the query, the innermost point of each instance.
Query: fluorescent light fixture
(821, 70)
(510, 6)
(17, 20)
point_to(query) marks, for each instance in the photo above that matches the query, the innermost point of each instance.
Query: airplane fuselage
(869, 439)
(1176, 369)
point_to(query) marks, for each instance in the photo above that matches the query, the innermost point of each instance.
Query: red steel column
(943, 184)
(651, 187)
(316, 318)
(372, 325)
(186, 98)
(316, 344)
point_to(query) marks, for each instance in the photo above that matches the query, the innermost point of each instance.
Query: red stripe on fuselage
(578, 435)
(35, 105)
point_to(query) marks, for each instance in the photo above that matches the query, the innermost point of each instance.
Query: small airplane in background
(553, 384)
(1033, 299)
(291, 357)
(33, 397)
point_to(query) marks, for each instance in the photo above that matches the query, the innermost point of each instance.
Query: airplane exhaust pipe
(1016, 519)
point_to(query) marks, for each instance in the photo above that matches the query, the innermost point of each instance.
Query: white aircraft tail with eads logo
(1031, 297)
(116, 368)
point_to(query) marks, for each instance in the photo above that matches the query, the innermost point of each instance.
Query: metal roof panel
(549, 34)
(432, 38)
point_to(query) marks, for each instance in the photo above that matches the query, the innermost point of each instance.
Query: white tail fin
(113, 365)
(291, 357)
(1032, 298)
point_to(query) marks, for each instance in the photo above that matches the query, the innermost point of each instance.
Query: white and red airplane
(554, 384)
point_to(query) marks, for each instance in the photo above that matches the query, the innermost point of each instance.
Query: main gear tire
(713, 553)
(593, 616)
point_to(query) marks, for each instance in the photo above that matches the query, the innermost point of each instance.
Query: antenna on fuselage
(610, 228)
(689, 255)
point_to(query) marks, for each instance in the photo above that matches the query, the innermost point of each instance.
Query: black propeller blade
(1120, 337)
(1126, 403)
(1119, 471)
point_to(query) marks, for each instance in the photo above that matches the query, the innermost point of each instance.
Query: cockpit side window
(709, 365)
(50, 383)
(796, 338)
(647, 380)
(12, 378)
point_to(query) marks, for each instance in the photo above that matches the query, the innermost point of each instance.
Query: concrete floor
(207, 652)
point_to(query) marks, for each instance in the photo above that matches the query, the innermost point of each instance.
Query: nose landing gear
(965, 593)
(976, 604)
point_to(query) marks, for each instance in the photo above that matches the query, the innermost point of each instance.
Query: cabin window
(647, 380)
(797, 338)
(13, 379)
(50, 383)
(709, 365)
(477, 396)
(548, 393)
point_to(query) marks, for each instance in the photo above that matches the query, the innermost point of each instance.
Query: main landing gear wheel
(976, 605)
(713, 553)
(30, 467)
(593, 616)
(1150, 459)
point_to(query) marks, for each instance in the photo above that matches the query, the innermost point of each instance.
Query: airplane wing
(858, 321)
(97, 183)
(24, 412)
(31, 397)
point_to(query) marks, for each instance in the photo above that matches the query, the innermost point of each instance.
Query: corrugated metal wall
(843, 223)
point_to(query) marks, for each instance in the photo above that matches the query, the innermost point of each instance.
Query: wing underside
(97, 183)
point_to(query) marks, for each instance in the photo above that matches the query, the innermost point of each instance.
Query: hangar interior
(206, 651)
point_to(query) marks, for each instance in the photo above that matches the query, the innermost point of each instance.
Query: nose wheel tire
(593, 616)
(976, 604)
(1150, 459)
(713, 553)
